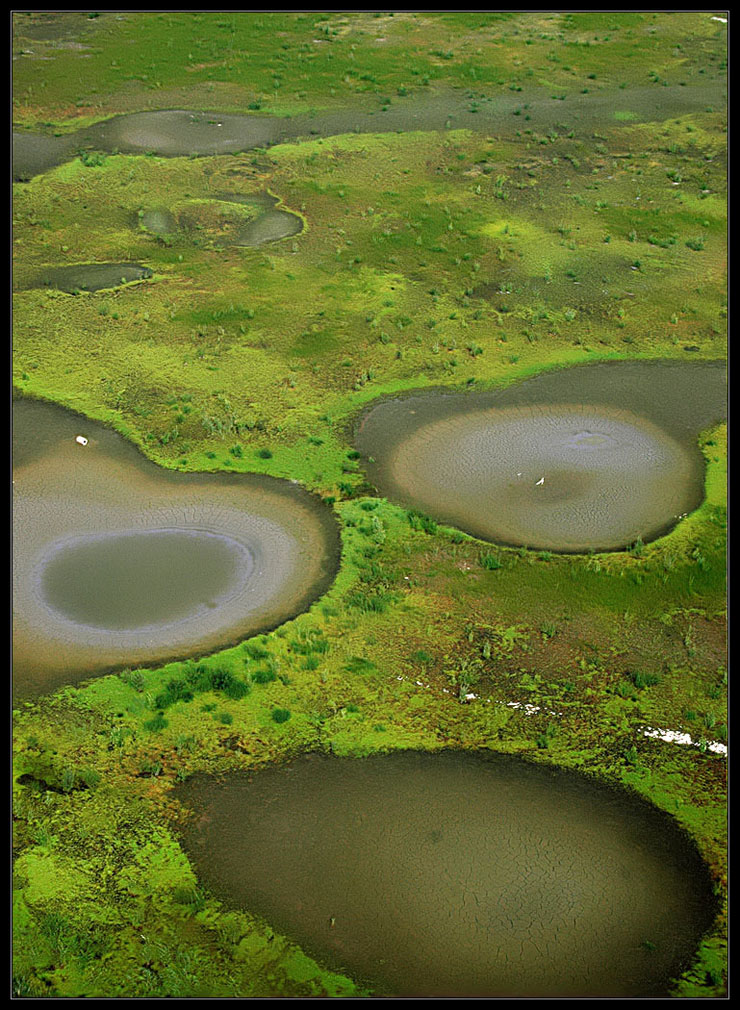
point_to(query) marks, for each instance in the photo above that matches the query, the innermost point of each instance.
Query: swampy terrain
(369, 424)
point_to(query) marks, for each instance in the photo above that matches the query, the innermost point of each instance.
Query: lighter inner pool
(582, 459)
(142, 578)
(555, 477)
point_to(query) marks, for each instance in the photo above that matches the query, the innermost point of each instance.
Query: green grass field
(451, 258)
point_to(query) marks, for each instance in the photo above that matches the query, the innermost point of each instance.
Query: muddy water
(454, 874)
(97, 580)
(585, 458)
(159, 222)
(183, 132)
(118, 562)
(271, 226)
(89, 276)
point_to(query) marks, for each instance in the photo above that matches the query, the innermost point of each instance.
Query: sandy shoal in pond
(582, 458)
(67, 493)
(564, 477)
(447, 874)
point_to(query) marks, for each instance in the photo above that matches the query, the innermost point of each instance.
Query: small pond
(455, 874)
(89, 276)
(119, 562)
(159, 222)
(584, 458)
(270, 226)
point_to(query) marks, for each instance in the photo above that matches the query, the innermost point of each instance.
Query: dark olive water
(582, 458)
(89, 276)
(119, 562)
(183, 132)
(140, 579)
(160, 222)
(271, 226)
(455, 874)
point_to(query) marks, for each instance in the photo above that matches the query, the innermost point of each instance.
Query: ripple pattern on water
(528, 465)
(281, 549)
(561, 477)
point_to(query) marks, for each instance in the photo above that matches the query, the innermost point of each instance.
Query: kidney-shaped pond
(119, 562)
(456, 874)
(584, 458)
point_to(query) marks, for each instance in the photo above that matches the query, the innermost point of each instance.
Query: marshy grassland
(548, 190)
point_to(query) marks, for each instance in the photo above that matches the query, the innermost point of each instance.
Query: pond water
(584, 458)
(140, 578)
(270, 226)
(455, 874)
(119, 562)
(89, 276)
(173, 132)
(159, 222)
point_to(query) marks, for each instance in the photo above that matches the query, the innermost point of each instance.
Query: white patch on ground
(673, 736)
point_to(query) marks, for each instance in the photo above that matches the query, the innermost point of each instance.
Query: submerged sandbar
(586, 458)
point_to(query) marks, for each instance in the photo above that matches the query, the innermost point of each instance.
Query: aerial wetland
(369, 505)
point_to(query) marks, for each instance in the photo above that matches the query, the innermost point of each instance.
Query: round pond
(453, 874)
(118, 562)
(587, 458)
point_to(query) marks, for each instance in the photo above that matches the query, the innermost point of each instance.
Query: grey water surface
(119, 562)
(589, 457)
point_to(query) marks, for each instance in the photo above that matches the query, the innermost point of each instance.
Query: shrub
(176, 690)
(370, 603)
(280, 715)
(419, 521)
(157, 723)
(489, 561)
(641, 680)
(256, 651)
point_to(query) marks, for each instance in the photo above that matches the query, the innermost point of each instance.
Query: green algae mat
(237, 239)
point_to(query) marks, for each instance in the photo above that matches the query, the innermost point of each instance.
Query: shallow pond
(172, 132)
(270, 226)
(159, 222)
(118, 562)
(456, 874)
(141, 579)
(89, 276)
(585, 458)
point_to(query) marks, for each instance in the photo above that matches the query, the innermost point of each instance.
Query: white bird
(540, 481)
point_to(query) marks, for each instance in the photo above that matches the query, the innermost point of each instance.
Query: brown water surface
(584, 458)
(119, 562)
(173, 132)
(454, 874)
